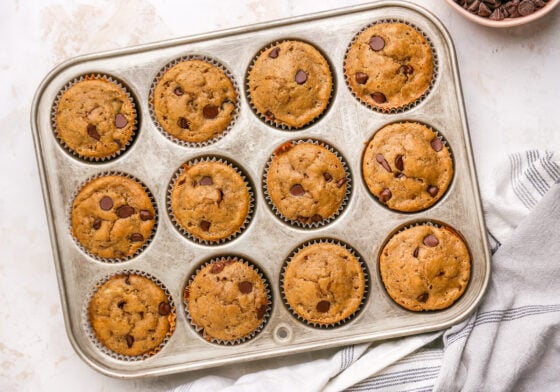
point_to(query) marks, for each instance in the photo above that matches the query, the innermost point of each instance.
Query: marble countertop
(511, 86)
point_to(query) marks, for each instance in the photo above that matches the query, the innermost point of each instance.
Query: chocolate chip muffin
(306, 182)
(95, 118)
(112, 217)
(290, 84)
(324, 284)
(425, 267)
(210, 201)
(194, 101)
(389, 66)
(227, 300)
(407, 166)
(131, 315)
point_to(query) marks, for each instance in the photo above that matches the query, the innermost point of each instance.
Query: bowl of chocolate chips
(503, 13)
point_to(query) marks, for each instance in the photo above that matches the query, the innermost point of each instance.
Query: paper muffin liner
(88, 328)
(265, 318)
(71, 151)
(146, 242)
(364, 270)
(409, 225)
(273, 122)
(403, 108)
(235, 113)
(248, 184)
(445, 144)
(295, 222)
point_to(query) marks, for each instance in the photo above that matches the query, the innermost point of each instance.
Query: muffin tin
(364, 224)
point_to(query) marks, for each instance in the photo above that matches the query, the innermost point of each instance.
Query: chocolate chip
(376, 43)
(106, 203)
(129, 341)
(341, 182)
(301, 77)
(474, 6)
(436, 144)
(327, 177)
(146, 215)
(136, 237)
(483, 10)
(385, 195)
(498, 14)
(297, 190)
(379, 97)
(127, 279)
(205, 225)
(399, 164)
(125, 211)
(415, 254)
(245, 287)
(526, 7)
(361, 78)
(97, 224)
(422, 297)
(121, 304)
(92, 132)
(399, 175)
(182, 122)
(164, 308)
(178, 91)
(120, 121)
(261, 311)
(274, 52)
(217, 267)
(206, 180)
(323, 306)
(383, 162)
(316, 218)
(210, 111)
(431, 240)
(406, 70)
(433, 190)
(269, 115)
(302, 219)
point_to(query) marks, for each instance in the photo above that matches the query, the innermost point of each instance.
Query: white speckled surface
(510, 80)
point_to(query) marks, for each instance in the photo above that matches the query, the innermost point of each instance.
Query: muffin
(227, 300)
(324, 284)
(306, 182)
(112, 217)
(194, 101)
(131, 315)
(389, 66)
(290, 84)
(210, 201)
(95, 119)
(425, 267)
(407, 166)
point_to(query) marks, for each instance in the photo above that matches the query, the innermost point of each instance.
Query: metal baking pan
(364, 224)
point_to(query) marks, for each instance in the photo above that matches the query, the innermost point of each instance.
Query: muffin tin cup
(366, 283)
(86, 324)
(280, 125)
(87, 251)
(295, 222)
(200, 331)
(417, 101)
(184, 231)
(70, 150)
(234, 116)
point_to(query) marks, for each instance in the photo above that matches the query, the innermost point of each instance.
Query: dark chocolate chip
(406, 69)
(385, 195)
(399, 164)
(178, 91)
(436, 144)
(183, 123)
(361, 78)
(206, 180)
(301, 77)
(205, 225)
(136, 237)
(92, 132)
(483, 10)
(164, 308)
(327, 177)
(97, 224)
(376, 43)
(431, 240)
(121, 304)
(106, 203)
(297, 190)
(127, 279)
(120, 121)
(433, 190)
(415, 254)
(323, 306)
(245, 287)
(269, 115)
(497, 14)
(399, 175)
(341, 182)
(316, 218)
(210, 111)
(383, 162)
(422, 297)
(274, 52)
(379, 97)
(474, 6)
(129, 341)
(217, 267)
(261, 311)
(125, 211)
(146, 215)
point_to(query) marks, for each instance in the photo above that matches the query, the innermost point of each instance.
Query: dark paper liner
(235, 113)
(417, 101)
(366, 283)
(88, 328)
(280, 125)
(445, 145)
(144, 245)
(295, 222)
(70, 150)
(266, 317)
(248, 184)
